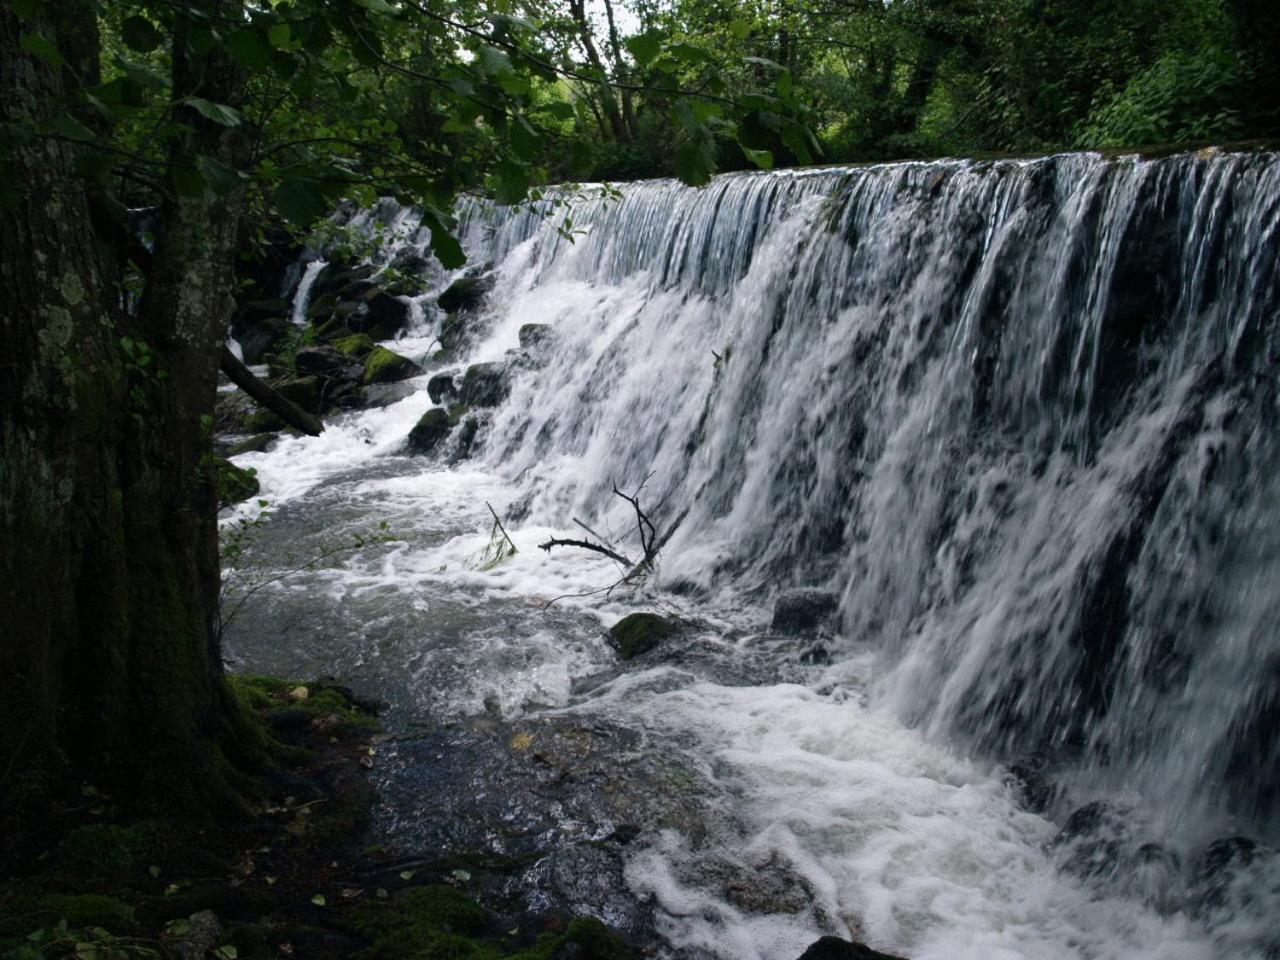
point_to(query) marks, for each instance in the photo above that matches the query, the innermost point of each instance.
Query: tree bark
(110, 669)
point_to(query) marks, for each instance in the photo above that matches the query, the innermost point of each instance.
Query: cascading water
(1020, 416)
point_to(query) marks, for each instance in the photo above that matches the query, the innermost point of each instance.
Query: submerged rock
(386, 366)
(485, 385)
(535, 335)
(802, 611)
(833, 948)
(465, 294)
(638, 633)
(304, 391)
(259, 443)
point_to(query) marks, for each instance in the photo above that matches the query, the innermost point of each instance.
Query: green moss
(235, 484)
(356, 345)
(424, 923)
(105, 850)
(28, 913)
(639, 633)
(586, 939)
(385, 366)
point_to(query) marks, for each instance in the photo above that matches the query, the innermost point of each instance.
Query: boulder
(386, 366)
(833, 948)
(802, 611)
(409, 260)
(385, 317)
(453, 331)
(263, 336)
(328, 362)
(252, 312)
(466, 294)
(358, 345)
(235, 484)
(533, 336)
(466, 433)
(259, 443)
(337, 275)
(442, 388)
(638, 633)
(429, 432)
(304, 391)
(485, 385)
(359, 291)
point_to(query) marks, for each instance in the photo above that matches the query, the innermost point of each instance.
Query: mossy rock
(357, 345)
(429, 432)
(638, 633)
(335, 328)
(259, 443)
(465, 294)
(386, 366)
(485, 384)
(425, 923)
(303, 391)
(264, 421)
(235, 484)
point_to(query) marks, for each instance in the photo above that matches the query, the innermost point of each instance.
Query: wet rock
(770, 886)
(235, 484)
(328, 362)
(358, 345)
(1096, 840)
(304, 391)
(466, 294)
(638, 633)
(359, 291)
(337, 275)
(833, 948)
(1220, 868)
(453, 331)
(467, 433)
(382, 394)
(261, 337)
(1030, 780)
(385, 317)
(533, 336)
(432, 428)
(485, 385)
(410, 261)
(442, 388)
(201, 935)
(259, 443)
(253, 312)
(802, 611)
(386, 366)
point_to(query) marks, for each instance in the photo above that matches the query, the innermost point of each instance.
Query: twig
(500, 527)
(585, 545)
(592, 532)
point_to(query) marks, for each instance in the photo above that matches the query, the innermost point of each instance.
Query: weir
(1018, 416)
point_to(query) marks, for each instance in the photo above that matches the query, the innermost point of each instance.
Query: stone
(358, 345)
(638, 633)
(466, 294)
(534, 336)
(803, 611)
(453, 331)
(833, 948)
(263, 336)
(385, 317)
(442, 387)
(328, 362)
(429, 432)
(235, 484)
(203, 933)
(304, 391)
(386, 366)
(252, 312)
(485, 385)
(259, 443)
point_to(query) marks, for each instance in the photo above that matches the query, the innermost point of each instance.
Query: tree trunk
(110, 670)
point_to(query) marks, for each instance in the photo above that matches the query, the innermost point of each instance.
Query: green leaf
(696, 158)
(218, 175)
(140, 34)
(27, 9)
(71, 128)
(761, 158)
(40, 48)
(645, 46)
(493, 61)
(279, 35)
(739, 28)
(510, 183)
(300, 201)
(188, 182)
(217, 112)
(764, 62)
(318, 899)
(445, 245)
(250, 48)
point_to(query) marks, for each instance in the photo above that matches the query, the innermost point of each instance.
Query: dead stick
(585, 545)
(501, 528)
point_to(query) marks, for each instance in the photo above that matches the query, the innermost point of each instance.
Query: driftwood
(266, 395)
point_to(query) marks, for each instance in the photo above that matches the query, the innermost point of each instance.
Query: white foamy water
(1018, 416)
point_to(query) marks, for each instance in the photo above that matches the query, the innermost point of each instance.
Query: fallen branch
(585, 545)
(266, 395)
(501, 528)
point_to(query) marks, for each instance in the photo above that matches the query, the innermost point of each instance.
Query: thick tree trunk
(110, 671)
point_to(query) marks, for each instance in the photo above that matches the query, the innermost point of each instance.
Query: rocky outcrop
(434, 427)
(803, 611)
(466, 294)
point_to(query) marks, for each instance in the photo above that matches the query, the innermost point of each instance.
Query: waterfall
(1019, 415)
